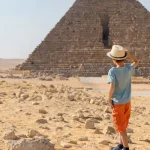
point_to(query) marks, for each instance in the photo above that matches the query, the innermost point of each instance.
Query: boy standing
(119, 98)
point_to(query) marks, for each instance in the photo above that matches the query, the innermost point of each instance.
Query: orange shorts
(121, 114)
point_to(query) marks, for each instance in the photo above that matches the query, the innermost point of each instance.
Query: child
(119, 98)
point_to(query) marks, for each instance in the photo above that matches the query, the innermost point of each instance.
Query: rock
(98, 117)
(107, 116)
(85, 138)
(45, 128)
(42, 111)
(97, 131)
(92, 101)
(70, 97)
(10, 135)
(65, 145)
(89, 124)
(75, 118)
(28, 114)
(104, 141)
(30, 144)
(109, 130)
(32, 133)
(35, 103)
(129, 139)
(80, 115)
(60, 114)
(42, 121)
(129, 130)
(21, 99)
(18, 94)
(25, 96)
(107, 110)
(67, 135)
(3, 93)
(73, 142)
(146, 123)
(61, 118)
(59, 128)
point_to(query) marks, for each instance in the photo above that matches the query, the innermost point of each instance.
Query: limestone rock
(67, 135)
(107, 110)
(75, 118)
(107, 116)
(97, 131)
(89, 124)
(73, 142)
(10, 135)
(92, 101)
(18, 94)
(25, 96)
(129, 130)
(109, 130)
(146, 123)
(41, 121)
(35, 103)
(65, 145)
(85, 138)
(32, 133)
(30, 144)
(42, 111)
(21, 99)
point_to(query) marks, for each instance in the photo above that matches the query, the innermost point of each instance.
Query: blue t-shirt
(121, 77)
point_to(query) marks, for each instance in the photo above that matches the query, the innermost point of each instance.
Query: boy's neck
(119, 65)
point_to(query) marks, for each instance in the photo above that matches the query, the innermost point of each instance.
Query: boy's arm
(133, 58)
(111, 91)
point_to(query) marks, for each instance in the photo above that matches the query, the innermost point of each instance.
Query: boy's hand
(127, 52)
(133, 58)
(110, 103)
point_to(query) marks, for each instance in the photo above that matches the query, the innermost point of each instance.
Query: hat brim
(116, 58)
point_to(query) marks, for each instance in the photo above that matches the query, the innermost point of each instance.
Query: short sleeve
(111, 77)
(131, 69)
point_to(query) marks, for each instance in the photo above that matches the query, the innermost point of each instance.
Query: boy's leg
(123, 135)
(121, 115)
(120, 139)
(124, 138)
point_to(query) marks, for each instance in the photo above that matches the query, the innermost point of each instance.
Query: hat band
(119, 57)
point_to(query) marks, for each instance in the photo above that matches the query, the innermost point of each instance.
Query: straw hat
(117, 52)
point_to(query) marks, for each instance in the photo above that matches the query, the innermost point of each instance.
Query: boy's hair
(118, 61)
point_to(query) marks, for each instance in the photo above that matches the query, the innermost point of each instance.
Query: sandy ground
(22, 114)
(67, 106)
(6, 64)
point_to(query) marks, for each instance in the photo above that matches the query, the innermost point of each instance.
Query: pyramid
(78, 44)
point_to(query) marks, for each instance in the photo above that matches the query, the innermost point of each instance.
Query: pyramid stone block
(78, 44)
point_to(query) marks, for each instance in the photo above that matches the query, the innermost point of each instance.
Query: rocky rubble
(58, 117)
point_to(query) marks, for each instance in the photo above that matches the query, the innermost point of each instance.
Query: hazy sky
(25, 23)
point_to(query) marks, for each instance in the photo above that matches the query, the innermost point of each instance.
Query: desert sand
(64, 107)
(69, 113)
(6, 64)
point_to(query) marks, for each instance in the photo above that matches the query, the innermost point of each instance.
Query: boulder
(89, 124)
(109, 130)
(30, 144)
(10, 135)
